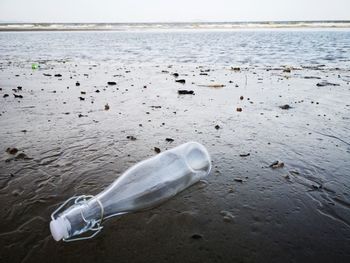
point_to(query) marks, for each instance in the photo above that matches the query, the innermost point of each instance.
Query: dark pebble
(18, 96)
(81, 98)
(58, 75)
(5, 96)
(130, 137)
(169, 140)
(217, 127)
(185, 92)
(112, 83)
(156, 149)
(196, 236)
(77, 84)
(182, 81)
(285, 107)
(244, 155)
(12, 150)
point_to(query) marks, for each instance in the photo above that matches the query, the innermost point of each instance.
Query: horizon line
(183, 22)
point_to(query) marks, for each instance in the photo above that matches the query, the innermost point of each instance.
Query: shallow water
(245, 211)
(244, 48)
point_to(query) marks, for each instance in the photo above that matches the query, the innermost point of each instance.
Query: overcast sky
(171, 10)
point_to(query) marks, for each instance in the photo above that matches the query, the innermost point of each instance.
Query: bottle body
(143, 186)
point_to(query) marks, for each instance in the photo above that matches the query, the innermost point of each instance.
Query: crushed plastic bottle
(143, 186)
(35, 66)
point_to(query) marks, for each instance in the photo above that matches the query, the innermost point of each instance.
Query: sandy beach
(278, 137)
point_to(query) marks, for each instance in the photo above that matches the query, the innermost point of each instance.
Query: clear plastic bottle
(141, 187)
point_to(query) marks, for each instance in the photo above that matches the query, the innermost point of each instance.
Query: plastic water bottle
(141, 187)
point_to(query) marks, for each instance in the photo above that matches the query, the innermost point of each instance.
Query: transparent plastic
(143, 186)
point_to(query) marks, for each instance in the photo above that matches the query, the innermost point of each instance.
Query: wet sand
(250, 209)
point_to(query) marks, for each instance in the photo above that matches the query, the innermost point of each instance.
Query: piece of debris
(244, 155)
(241, 98)
(81, 98)
(47, 75)
(5, 96)
(58, 75)
(130, 137)
(182, 81)
(287, 70)
(276, 164)
(19, 88)
(185, 92)
(18, 96)
(77, 84)
(236, 68)
(285, 107)
(175, 75)
(213, 85)
(12, 150)
(326, 83)
(156, 149)
(112, 83)
(196, 236)
(227, 216)
(106, 106)
(239, 109)
(169, 140)
(217, 127)
(97, 91)
(83, 92)
(239, 180)
(81, 115)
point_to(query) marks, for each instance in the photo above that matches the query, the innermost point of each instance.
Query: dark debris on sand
(285, 107)
(185, 92)
(182, 81)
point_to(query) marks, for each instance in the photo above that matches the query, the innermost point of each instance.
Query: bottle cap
(59, 228)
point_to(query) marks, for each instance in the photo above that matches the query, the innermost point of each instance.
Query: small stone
(169, 140)
(239, 109)
(185, 92)
(196, 236)
(77, 84)
(276, 164)
(106, 106)
(156, 149)
(112, 83)
(5, 96)
(239, 180)
(130, 137)
(176, 75)
(58, 75)
(82, 92)
(217, 127)
(236, 68)
(244, 155)
(18, 96)
(241, 98)
(182, 81)
(285, 107)
(81, 98)
(12, 150)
